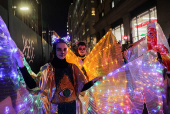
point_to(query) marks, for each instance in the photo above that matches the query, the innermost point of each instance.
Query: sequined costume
(58, 87)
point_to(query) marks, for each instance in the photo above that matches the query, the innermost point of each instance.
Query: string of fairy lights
(126, 88)
(141, 87)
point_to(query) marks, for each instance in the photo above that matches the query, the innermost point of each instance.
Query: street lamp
(24, 8)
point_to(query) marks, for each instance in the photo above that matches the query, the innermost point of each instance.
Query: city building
(129, 18)
(81, 18)
(29, 12)
(67, 30)
(48, 35)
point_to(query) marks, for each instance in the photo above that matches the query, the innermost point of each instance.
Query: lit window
(93, 11)
(113, 4)
(119, 33)
(140, 22)
(102, 13)
(83, 31)
(67, 32)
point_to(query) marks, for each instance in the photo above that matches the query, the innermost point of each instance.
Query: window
(93, 11)
(94, 41)
(113, 4)
(87, 26)
(119, 33)
(102, 13)
(83, 32)
(101, 1)
(92, 1)
(140, 22)
(88, 39)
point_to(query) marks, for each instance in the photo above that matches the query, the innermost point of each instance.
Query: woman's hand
(19, 57)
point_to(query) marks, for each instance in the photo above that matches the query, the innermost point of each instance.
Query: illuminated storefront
(140, 22)
(119, 33)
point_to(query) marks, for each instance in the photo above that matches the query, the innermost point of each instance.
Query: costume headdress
(56, 39)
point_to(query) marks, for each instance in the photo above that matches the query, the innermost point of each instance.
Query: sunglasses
(81, 48)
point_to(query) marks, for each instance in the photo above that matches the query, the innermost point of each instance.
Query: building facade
(81, 18)
(48, 35)
(129, 18)
(29, 12)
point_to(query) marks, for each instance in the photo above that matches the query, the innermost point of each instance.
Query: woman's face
(61, 50)
(82, 50)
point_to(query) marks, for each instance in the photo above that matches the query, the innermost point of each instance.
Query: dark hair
(82, 44)
(55, 43)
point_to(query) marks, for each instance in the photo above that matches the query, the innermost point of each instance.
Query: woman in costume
(82, 53)
(58, 83)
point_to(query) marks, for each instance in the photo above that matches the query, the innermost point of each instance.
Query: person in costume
(82, 53)
(58, 83)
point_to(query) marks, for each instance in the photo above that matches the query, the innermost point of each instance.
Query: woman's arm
(27, 77)
(91, 83)
(87, 86)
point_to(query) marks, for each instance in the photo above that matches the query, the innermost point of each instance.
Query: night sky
(54, 15)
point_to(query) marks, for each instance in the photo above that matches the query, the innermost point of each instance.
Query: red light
(124, 37)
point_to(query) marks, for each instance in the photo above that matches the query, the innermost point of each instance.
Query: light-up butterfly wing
(72, 58)
(105, 57)
(15, 97)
